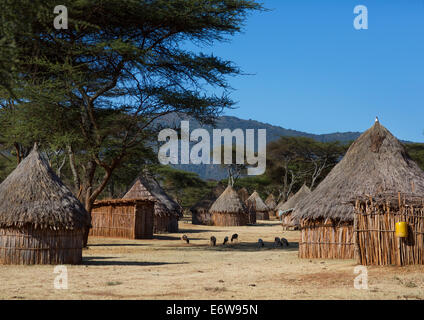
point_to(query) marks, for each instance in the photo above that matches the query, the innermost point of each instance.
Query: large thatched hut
(389, 229)
(375, 163)
(229, 210)
(41, 221)
(271, 204)
(286, 208)
(123, 218)
(167, 211)
(255, 203)
(200, 211)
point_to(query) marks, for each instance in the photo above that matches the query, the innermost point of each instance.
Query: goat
(213, 241)
(277, 242)
(261, 243)
(185, 238)
(225, 240)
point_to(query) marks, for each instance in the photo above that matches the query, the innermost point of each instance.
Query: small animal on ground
(234, 237)
(225, 240)
(261, 243)
(284, 242)
(185, 238)
(213, 241)
(277, 242)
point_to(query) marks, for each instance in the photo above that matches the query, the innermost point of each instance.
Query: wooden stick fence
(375, 224)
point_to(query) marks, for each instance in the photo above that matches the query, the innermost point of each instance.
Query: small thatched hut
(167, 211)
(243, 194)
(375, 163)
(229, 210)
(271, 204)
(41, 221)
(287, 208)
(377, 242)
(255, 203)
(123, 218)
(200, 211)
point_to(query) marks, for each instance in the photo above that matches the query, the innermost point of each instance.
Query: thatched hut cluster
(255, 204)
(375, 163)
(229, 210)
(389, 229)
(41, 221)
(271, 204)
(123, 218)
(166, 211)
(200, 214)
(286, 208)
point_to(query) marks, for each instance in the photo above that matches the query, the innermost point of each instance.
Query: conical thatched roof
(243, 194)
(376, 162)
(256, 202)
(205, 203)
(291, 203)
(32, 195)
(270, 202)
(146, 187)
(228, 202)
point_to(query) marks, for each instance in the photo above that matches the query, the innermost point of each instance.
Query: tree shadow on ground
(243, 246)
(264, 225)
(103, 261)
(198, 231)
(162, 237)
(118, 244)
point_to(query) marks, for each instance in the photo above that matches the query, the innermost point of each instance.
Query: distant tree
(416, 152)
(293, 161)
(236, 169)
(185, 187)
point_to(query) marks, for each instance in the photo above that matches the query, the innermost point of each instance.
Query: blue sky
(314, 72)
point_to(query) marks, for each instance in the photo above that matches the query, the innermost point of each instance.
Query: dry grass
(167, 268)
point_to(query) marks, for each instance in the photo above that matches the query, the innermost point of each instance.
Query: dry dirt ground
(167, 268)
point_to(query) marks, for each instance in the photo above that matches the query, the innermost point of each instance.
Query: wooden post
(357, 255)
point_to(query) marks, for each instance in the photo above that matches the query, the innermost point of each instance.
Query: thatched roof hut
(123, 218)
(167, 211)
(270, 202)
(41, 221)
(229, 210)
(200, 211)
(376, 162)
(243, 194)
(286, 208)
(289, 205)
(256, 204)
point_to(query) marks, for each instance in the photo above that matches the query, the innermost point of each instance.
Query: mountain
(215, 172)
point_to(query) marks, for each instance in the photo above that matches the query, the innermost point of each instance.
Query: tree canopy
(92, 91)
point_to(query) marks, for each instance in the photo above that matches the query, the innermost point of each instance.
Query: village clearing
(167, 268)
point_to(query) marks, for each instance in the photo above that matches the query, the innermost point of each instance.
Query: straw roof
(243, 194)
(291, 203)
(375, 163)
(228, 202)
(146, 187)
(270, 202)
(33, 195)
(256, 202)
(205, 203)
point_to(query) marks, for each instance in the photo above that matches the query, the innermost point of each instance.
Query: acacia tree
(120, 65)
(296, 160)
